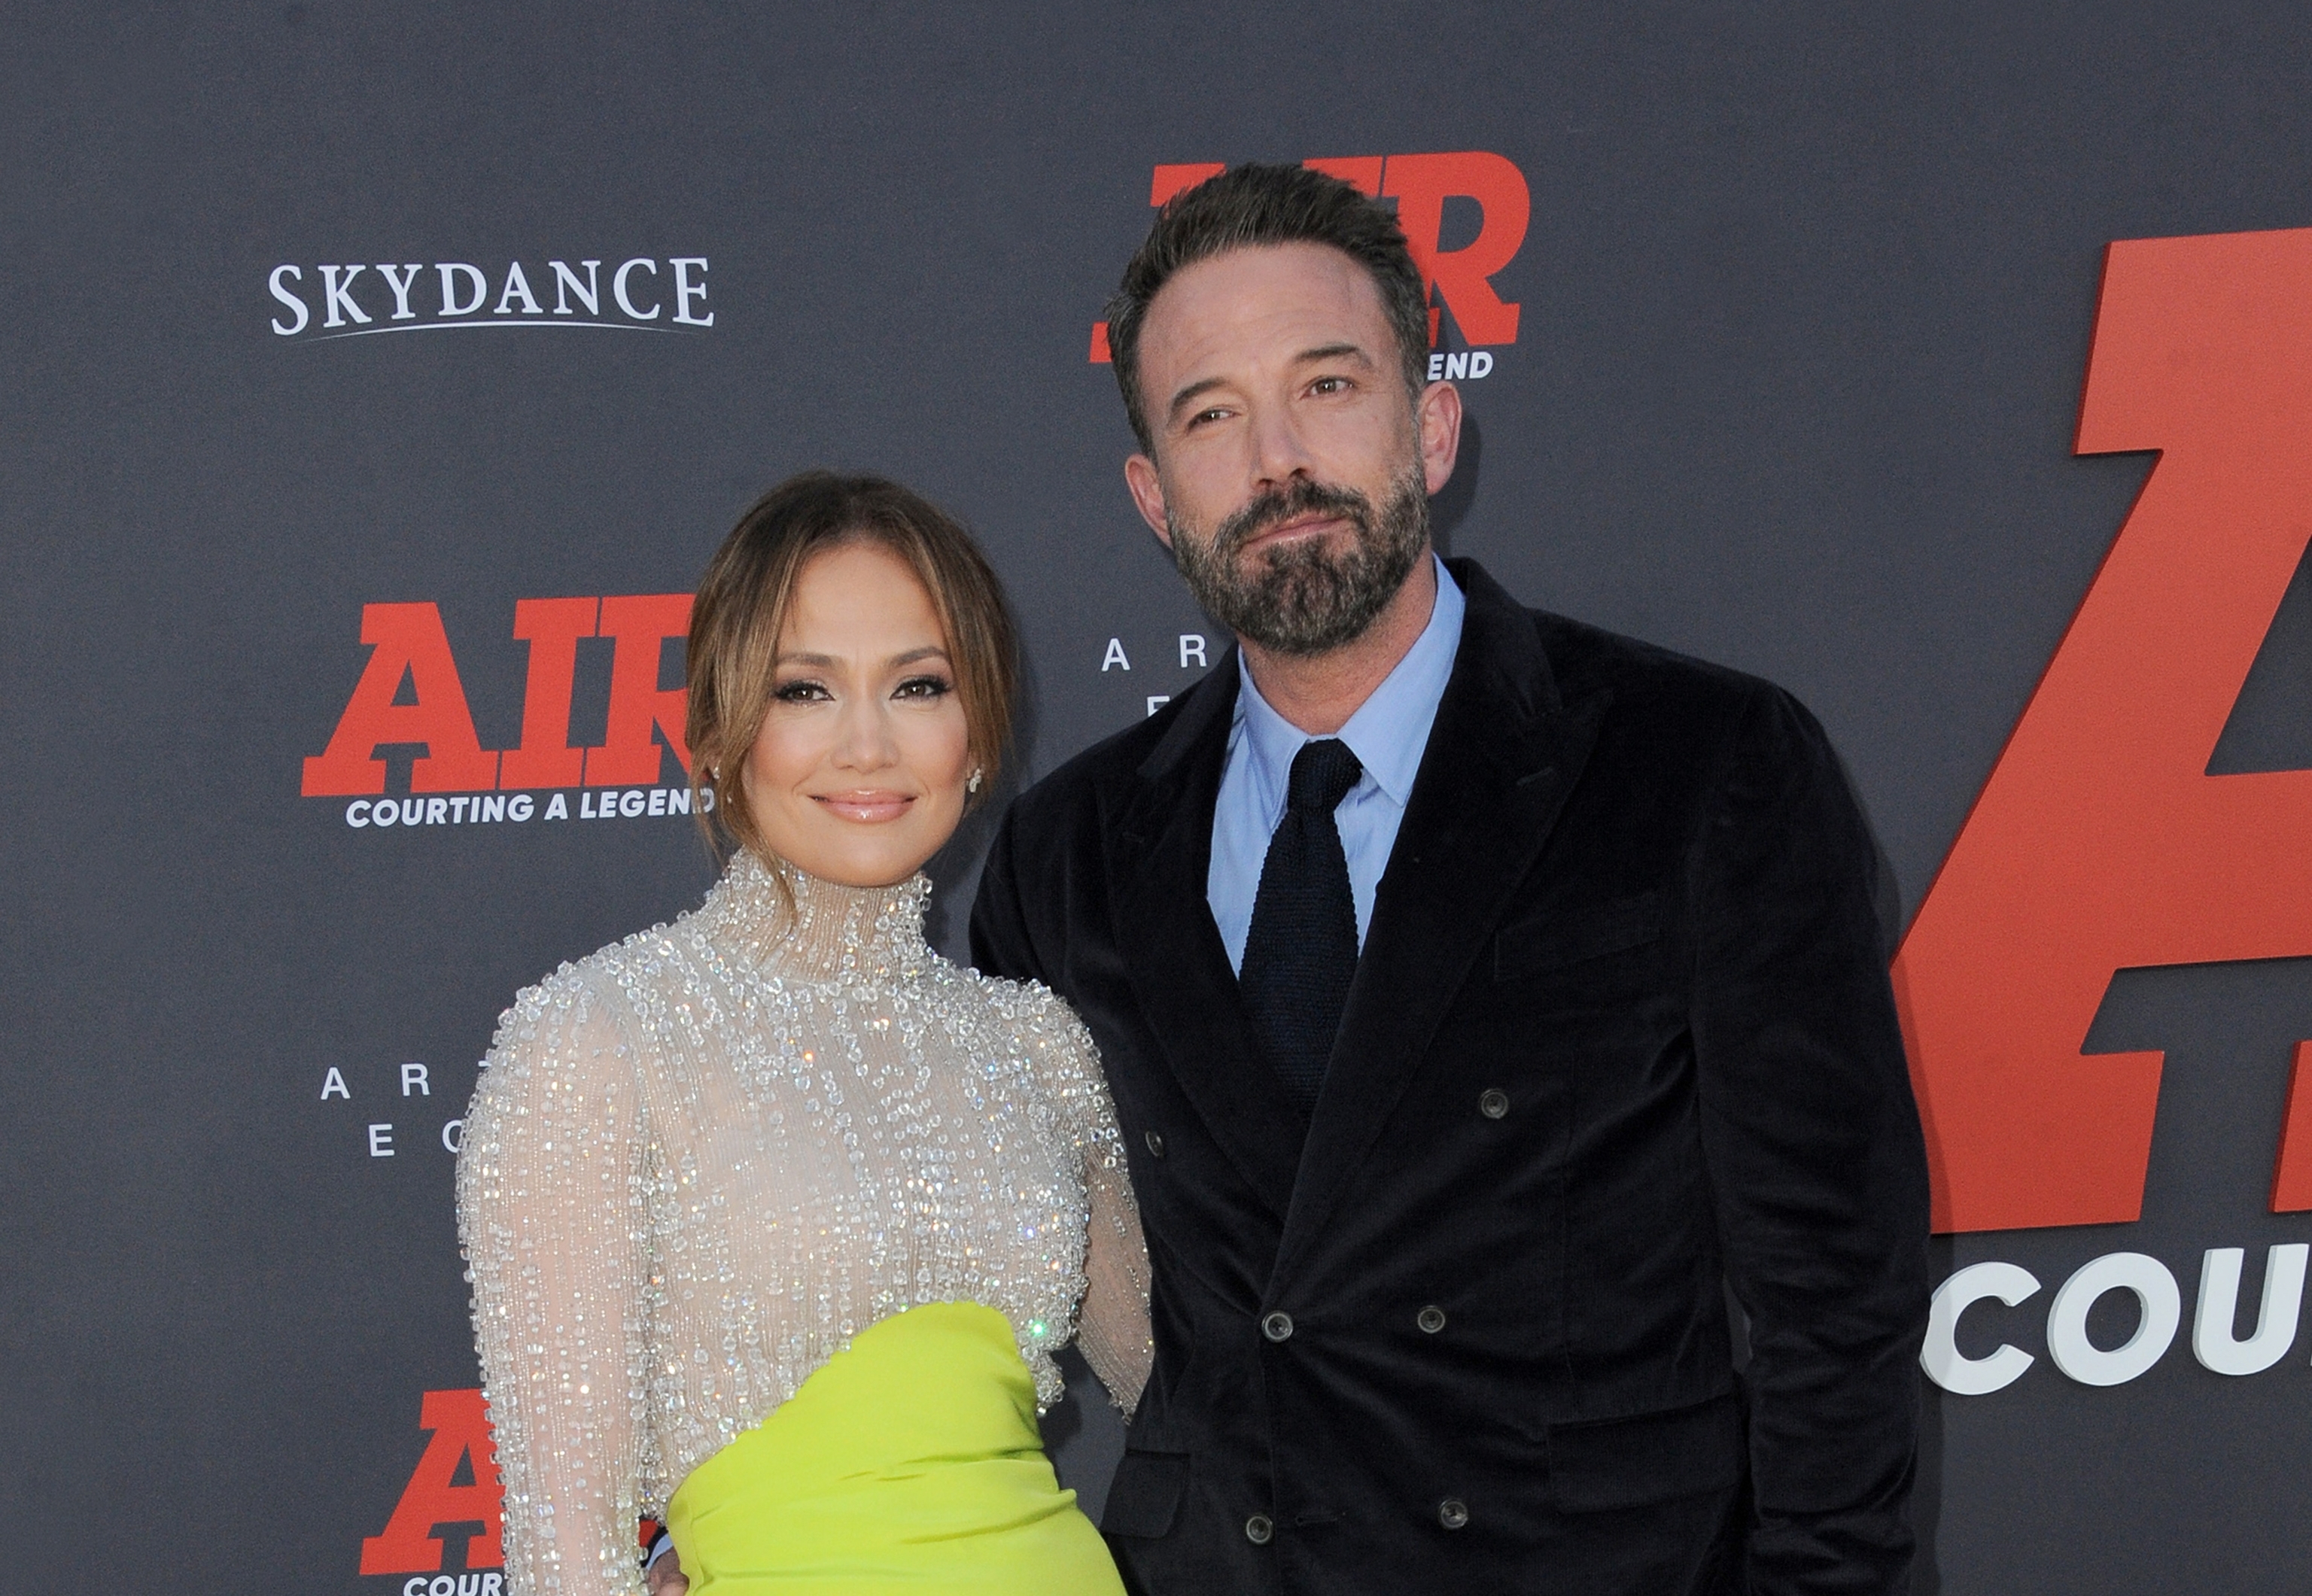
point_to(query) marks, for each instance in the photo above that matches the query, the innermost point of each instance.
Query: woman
(774, 1216)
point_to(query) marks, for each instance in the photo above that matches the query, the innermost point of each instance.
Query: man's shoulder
(1095, 778)
(1669, 707)
(1582, 661)
(1678, 718)
(1586, 658)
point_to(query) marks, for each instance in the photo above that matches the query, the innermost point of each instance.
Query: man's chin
(1303, 629)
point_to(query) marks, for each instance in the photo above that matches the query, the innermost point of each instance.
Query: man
(1479, 991)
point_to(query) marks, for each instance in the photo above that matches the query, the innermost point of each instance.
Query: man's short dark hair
(1251, 205)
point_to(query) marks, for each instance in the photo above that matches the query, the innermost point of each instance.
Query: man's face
(1292, 468)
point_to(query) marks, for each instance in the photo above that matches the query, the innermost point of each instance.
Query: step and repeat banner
(378, 380)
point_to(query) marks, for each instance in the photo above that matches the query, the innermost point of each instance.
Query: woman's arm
(550, 1211)
(1112, 1330)
(1112, 1325)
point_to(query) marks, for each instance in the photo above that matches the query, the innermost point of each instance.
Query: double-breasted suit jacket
(1620, 1035)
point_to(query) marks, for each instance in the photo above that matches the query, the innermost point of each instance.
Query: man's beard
(1299, 598)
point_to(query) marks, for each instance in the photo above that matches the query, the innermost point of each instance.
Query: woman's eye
(924, 687)
(804, 691)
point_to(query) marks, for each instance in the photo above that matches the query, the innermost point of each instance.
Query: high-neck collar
(794, 924)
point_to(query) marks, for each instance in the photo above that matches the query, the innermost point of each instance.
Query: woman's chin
(882, 866)
(863, 854)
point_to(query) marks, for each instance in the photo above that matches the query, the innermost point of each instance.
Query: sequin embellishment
(703, 1158)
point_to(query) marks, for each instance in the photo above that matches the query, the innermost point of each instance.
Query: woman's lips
(867, 809)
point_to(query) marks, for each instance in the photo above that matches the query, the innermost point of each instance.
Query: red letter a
(406, 638)
(408, 1544)
(2100, 842)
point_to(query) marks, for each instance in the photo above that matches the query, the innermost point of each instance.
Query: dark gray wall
(1805, 299)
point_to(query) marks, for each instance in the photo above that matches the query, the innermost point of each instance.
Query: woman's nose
(865, 742)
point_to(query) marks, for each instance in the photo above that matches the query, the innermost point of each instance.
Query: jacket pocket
(1144, 1496)
(1651, 1457)
(1553, 939)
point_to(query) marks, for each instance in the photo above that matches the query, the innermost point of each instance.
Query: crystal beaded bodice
(702, 1159)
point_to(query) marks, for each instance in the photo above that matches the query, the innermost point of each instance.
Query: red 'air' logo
(1421, 185)
(2100, 842)
(409, 646)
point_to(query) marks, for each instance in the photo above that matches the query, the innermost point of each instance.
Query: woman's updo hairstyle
(741, 609)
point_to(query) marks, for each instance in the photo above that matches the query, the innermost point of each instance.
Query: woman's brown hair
(742, 607)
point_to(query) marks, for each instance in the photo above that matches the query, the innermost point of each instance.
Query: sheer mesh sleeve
(550, 1210)
(1112, 1325)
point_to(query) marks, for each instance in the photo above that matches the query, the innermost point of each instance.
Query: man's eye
(803, 692)
(924, 687)
(1329, 385)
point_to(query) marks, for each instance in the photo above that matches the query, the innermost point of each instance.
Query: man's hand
(665, 1577)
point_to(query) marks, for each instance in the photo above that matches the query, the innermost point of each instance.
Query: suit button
(1431, 1319)
(1493, 1104)
(1155, 1145)
(1453, 1512)
(1257, 1529)
(1277, 1327)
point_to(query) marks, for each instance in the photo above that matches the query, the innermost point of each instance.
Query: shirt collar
(1389, 730)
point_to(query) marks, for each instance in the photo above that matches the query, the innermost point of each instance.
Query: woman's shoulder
(1035, 1021)
(594, 993)
(1016, 1002)
(671, 951)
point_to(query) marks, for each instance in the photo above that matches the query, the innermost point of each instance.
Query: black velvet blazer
(1620, 1032)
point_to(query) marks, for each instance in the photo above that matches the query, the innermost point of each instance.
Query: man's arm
(1816, 1164)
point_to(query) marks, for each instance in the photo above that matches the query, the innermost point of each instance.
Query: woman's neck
(784, 919)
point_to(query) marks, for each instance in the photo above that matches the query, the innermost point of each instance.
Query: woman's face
(857, 772)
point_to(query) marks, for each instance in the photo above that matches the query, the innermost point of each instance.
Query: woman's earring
(972, 785)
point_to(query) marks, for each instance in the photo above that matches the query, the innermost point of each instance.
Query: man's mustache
(1279, 505)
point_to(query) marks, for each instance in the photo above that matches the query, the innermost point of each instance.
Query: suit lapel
(1504, 754)
(1159, 852)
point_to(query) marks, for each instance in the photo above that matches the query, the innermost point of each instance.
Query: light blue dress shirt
(1387, 734)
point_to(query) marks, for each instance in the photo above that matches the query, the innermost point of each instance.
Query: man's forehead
(1263, 291)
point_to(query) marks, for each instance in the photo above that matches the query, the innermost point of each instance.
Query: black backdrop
(1805, 302)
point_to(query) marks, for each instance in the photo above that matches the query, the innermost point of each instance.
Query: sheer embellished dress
(775, 1218)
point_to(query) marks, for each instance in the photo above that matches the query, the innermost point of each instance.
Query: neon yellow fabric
(908, 1463)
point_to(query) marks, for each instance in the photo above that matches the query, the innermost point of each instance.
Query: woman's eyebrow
(829, 662)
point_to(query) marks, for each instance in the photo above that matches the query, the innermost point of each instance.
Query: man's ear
(1437, 413)
(1148, 493)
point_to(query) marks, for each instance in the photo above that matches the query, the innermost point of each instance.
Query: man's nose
(1280, 454)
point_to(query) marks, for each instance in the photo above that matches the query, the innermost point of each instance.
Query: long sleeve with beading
(1112, 1329)
(550, 1204)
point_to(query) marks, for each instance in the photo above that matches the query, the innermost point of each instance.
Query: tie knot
(1323, 771)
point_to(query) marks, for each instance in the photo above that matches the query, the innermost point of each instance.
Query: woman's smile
(865, 806)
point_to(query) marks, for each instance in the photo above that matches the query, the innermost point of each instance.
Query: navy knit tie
(1301, 951)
